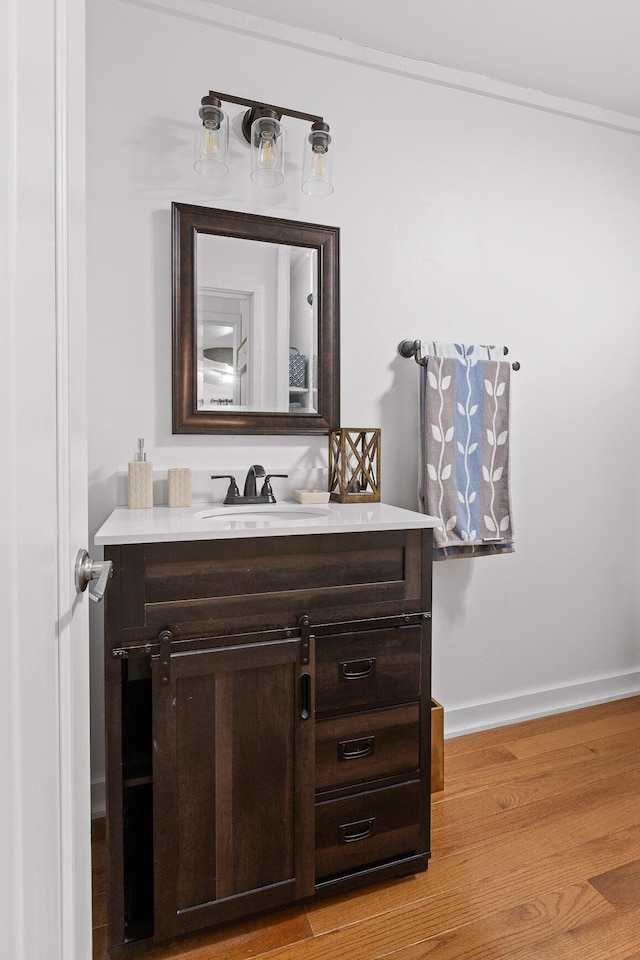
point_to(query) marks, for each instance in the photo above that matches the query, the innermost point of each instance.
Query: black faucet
(250, 495)
(250, 483)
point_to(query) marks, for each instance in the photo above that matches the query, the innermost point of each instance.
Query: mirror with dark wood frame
(256, 346)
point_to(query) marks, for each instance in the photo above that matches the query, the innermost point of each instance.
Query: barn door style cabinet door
(233, 783)
(268, 724)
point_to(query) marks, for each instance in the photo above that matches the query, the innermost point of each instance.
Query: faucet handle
(266, 486)
(233, 486)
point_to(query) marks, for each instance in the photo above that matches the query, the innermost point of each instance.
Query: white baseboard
(499, 713)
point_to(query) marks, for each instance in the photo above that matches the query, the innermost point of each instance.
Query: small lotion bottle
(140, 480)
(180, 487)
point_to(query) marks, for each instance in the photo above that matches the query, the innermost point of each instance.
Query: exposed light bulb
(211, 146)
(319, 164)
(267, 155)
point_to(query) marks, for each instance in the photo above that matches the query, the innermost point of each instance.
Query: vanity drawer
(356, 671)
(369, 827)
(364, 746)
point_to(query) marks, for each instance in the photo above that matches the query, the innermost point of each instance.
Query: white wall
(461, 217)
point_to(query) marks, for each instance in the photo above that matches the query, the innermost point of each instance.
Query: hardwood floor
(536, 856)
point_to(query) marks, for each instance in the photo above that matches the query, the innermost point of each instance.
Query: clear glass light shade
(267, 152)
(212, 147)
(317, 164)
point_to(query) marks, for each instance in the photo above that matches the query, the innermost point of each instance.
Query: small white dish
(311, 496)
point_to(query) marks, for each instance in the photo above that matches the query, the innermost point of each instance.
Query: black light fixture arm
(257, 105)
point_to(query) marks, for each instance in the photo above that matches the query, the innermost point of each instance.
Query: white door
(45, 899)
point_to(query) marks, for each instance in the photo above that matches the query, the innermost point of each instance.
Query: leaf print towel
(464, 404)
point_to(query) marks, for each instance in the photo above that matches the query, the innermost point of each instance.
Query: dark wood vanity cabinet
(268, 724)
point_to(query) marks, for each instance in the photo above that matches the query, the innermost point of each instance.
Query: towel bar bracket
(411, 348)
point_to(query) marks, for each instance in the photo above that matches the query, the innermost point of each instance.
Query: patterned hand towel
(434, 348)
(464, 461)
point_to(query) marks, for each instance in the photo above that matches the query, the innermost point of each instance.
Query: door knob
(87, 570)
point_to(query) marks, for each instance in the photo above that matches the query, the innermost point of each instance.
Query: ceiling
(585, 50)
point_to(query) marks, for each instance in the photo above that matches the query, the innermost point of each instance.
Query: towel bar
(411, 348)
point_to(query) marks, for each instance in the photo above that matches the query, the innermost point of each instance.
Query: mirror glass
(255, 346)
(256, 325)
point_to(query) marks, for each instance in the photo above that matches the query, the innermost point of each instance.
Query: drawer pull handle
(357, 669)
(356, 749)
(352, 832)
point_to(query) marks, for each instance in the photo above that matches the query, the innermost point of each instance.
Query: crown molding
(206, 12)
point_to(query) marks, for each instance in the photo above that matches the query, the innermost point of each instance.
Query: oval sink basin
(263, 515)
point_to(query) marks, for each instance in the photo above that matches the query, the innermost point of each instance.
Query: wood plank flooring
(536, 856)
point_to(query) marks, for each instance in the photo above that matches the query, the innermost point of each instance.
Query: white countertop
(214, 521)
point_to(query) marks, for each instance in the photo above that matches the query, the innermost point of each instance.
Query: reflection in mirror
(257, 330)
(255, 324)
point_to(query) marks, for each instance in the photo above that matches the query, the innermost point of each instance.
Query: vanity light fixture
(263, 130)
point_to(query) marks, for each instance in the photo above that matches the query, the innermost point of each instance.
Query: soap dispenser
(140, 480)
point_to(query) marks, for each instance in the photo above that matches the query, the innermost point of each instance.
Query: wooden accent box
(354, 465)
(437, 746)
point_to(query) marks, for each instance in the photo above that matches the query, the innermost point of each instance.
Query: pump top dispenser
(140, 480)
